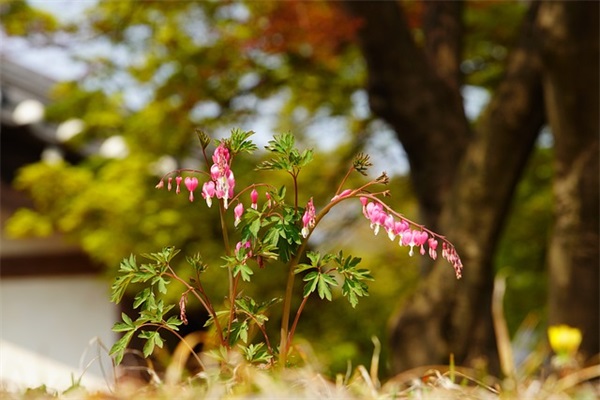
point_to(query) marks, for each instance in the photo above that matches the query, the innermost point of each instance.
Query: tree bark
(470, 202)
(571, 85)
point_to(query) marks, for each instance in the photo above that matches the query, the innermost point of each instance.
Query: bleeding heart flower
(191, 183)
(238, 211)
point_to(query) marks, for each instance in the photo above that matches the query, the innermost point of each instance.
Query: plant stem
(287, 305)
(296, 319)
(261, 327)
(339, 189)
(287, 299)
(295, 179)
(227, 247)
(232, 307)
(206, 305)
(190, 348)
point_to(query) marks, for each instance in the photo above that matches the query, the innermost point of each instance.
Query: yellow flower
(564, 339)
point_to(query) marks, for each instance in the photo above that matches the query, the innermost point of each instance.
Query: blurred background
(484, 114)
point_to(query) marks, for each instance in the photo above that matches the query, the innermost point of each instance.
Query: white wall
(57, 317)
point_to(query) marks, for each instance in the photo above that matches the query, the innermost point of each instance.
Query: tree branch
(443, 28)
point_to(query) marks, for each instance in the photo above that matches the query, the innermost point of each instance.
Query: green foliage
(256, 353)
(239, 142)
(492, 28)
(279, 229)
(354, 278)
(20, 19)
(287, 157)
(323, 280)
(152, 309)
(362, 163)
(203, 138)
(276, 221)
(270, 233)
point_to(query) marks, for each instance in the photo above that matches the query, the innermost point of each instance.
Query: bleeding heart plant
(273, 230)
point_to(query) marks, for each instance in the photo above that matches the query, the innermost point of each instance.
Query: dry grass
(533, 379)
(239, 380)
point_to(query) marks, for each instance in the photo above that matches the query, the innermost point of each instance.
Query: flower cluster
(374, 211)
(223, 181)
(280, 232)
(221, 184)
(245, 247)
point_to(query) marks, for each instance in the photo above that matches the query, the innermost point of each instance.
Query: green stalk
(227, 249)
(287, 300)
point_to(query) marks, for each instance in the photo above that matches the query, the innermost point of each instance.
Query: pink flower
(375, 212)
(243, 246)
(399, 228)
(230, 185)
(432, 246)
(178, 180)
(414, 238)
(160, 184)
(254, 199)
(208, 192)
(420, 240)
(390, 226)
(222, 175)
(376, 215)
(221, 155)
(191, 183)
(363, 201)
(169, 185)
(407, 240)
(238, 211)
(308, 219)
(449, 253)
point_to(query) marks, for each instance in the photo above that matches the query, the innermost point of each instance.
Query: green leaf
(122, 327)
(323, 286)
(164, 256)
(162, 284)
(302, 267)
(361, 163)
(286, 157)
(173, 323)
(128, 264)
(238, 141)
(314, 257)
(305, 158)
(220, 354)
(239, 330)
(255, 353)
(118, 288)
(272, 236)
(118, 349)
(203, 138)
(149, 346)
(311, 279)
(255, 227)
(243, 269)
(196, 262)
(142, 297)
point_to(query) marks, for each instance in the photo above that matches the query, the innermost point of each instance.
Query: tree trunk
(571, 86)
(465, 192)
